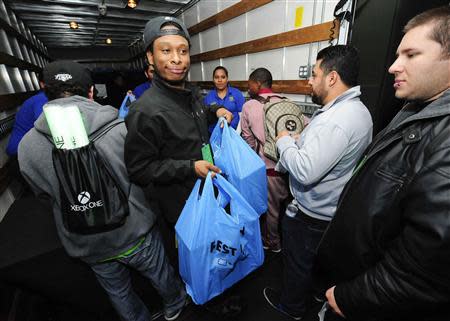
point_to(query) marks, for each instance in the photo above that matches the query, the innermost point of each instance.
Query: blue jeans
(150, 260)
(301, 236)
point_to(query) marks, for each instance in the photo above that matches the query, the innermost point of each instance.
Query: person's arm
(246, 132)
(414, 272)
(323, 149)
(239, 101)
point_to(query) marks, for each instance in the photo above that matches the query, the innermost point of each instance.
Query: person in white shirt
(319, 162)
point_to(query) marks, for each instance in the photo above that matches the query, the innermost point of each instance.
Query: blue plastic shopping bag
(240, 165)
(216, 249)
(124, 108)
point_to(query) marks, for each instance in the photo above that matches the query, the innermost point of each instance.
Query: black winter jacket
(166, 130)
(387, 249)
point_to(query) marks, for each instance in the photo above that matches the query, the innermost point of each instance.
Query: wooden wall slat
(13, 32)
(11, 101)
(295, 37)
(300, 87)
(229, 13)
(12, 61)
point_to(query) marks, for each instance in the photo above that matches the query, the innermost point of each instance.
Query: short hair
(263, 76)
(440, 18)
(146, 66)
(343, 59)
(65, 90)
(220, 67)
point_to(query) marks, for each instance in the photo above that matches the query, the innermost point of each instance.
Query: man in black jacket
(168, 127)
(386, 254)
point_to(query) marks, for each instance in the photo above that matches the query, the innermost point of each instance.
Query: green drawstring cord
(126, 253)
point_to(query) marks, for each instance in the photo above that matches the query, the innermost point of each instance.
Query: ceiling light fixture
(132, 3)
(108, 41)
(73, 25)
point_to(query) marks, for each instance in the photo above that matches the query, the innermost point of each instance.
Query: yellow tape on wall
(298, 17)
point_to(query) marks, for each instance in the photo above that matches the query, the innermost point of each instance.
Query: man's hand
(282, 134)
(223, 112)
(332, 302)
(202, 168)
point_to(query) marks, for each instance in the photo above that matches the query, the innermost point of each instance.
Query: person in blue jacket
(140, 89)
(225, 95)
(25, 118)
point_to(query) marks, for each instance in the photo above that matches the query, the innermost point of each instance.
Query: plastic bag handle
(218, 181)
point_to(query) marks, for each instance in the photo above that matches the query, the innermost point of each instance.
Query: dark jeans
(150, 260)
(301, 237)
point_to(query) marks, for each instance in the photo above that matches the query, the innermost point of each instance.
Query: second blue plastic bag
(216, 249)
(243, 168)
(126, 102)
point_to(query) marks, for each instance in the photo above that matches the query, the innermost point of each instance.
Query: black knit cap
(67, 72)
(153, 30)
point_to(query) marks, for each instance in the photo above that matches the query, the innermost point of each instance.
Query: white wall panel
(236, 67)
(207, 9)
(266, 20)
(4, 43)
(27, 80)
(195, 74)
(233, 31)
(4, 13)
(208, 68)
(6, 86)
(300, 98)
(272, 60)
(195, 44)
(226, 4)
(13, 19)
(26, 57)
(190, 16)
(16, 79)
(209, 39)
(295, 56)
(329, 9)
(307, 17)
(15, 47)
(34, 80)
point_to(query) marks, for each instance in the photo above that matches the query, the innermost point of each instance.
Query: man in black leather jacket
(386, 254)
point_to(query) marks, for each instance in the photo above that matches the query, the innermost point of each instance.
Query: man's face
(253, 88)
(170, 58)
(421, 72)
(317, 81)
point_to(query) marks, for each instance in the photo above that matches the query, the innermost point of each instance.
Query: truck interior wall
(272, 18)
(377, 32)
(22, 54)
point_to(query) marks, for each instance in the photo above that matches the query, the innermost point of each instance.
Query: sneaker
(273, 298)
(169, 316)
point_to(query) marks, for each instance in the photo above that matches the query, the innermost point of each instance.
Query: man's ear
(150, 57)
(91, 93)
(332, 77)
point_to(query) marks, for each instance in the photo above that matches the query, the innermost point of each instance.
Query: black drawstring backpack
(90, 197)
